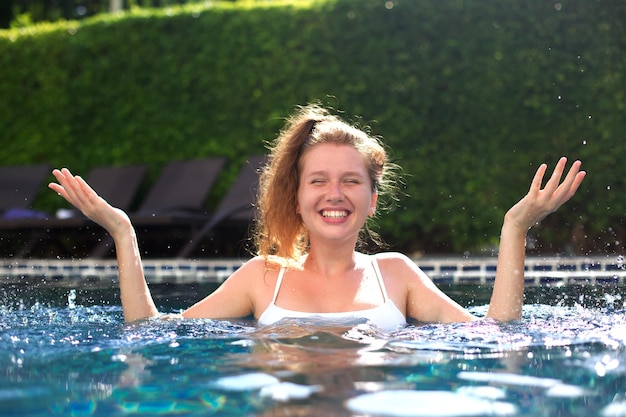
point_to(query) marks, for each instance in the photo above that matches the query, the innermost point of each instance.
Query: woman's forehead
(329, 156)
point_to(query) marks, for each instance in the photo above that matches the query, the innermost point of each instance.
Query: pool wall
(538, 270)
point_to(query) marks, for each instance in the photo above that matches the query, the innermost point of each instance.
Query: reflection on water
(79, 358)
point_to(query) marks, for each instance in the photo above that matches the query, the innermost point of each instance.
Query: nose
(334, 192)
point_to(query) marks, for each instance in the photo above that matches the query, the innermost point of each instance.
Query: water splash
(71, 299)
(75, 359)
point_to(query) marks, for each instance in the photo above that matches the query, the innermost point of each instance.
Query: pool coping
(557, 270)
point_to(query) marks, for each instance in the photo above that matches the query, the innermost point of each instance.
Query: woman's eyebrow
(343, 174)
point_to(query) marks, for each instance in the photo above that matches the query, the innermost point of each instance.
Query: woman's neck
(330, 263)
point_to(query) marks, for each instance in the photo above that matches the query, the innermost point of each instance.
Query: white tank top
(386, 316)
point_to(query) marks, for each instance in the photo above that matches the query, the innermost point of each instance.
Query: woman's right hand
(137, 302)
(79, 194)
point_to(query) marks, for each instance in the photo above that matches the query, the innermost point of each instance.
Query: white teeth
(335, 214)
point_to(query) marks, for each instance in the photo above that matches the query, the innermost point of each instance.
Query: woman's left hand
(538, 203)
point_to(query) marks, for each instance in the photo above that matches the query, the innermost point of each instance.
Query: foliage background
(469, 96)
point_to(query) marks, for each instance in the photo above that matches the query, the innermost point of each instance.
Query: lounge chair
(176, 200)
(237, 204)
(117, 185)
(19, 186)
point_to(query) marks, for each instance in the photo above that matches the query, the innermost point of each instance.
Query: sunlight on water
(76, 359)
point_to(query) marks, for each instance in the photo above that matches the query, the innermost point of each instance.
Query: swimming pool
(67, 352)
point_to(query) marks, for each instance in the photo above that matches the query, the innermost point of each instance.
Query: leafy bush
(470, 97)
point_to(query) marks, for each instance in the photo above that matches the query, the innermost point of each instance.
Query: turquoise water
(68, 352)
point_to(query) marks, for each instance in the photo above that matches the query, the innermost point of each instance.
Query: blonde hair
(280, 231)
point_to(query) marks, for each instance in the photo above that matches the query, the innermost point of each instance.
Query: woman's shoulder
(392, 258)
(261, 263)
(398, 263)
(252, 272)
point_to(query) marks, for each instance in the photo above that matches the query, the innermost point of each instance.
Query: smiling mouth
(335, 214)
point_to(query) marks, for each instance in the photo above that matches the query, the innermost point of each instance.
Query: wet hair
(280, 230)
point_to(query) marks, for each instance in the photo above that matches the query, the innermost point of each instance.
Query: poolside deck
(461, 270)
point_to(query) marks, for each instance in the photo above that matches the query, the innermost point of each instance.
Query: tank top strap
(379, 277)
(279, 282)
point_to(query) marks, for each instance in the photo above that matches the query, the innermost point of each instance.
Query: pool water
(68, 352)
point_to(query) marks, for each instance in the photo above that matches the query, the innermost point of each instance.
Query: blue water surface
(74, 356)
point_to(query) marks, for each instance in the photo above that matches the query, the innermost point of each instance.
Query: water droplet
(71, 299)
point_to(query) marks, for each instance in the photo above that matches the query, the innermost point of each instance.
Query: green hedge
(470, 97)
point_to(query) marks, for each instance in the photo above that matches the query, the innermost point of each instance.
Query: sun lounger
(19, 185)
(176, 200)
(236, 205)
(117, 185)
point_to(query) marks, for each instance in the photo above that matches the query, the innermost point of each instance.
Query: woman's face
(335, 194)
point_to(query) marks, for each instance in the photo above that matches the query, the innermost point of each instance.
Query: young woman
(317, 192)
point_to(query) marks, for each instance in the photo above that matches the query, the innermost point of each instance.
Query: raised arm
(508, 292)
(137, 302)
